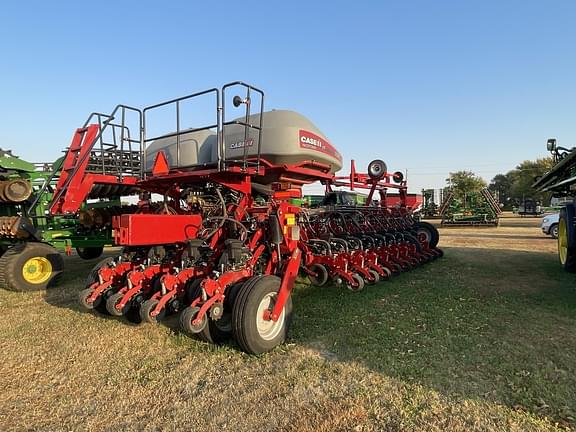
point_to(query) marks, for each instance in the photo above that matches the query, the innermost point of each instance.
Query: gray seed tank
(287, 138)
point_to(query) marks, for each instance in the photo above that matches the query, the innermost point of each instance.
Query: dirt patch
(514, 233)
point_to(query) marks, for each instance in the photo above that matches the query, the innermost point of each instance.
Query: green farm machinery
(470, 209)
(30, 238)
(561, 182)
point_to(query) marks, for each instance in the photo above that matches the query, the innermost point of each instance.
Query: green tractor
(31, 239)
(560, 181)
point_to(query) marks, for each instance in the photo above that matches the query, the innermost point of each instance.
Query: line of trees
(511, 188)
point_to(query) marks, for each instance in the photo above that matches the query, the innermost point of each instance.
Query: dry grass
(482, 340)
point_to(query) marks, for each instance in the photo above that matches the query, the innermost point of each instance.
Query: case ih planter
(229, 238)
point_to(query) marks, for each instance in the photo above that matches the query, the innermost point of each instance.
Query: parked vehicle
(550, 224)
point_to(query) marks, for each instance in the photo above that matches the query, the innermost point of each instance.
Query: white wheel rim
(268, 329)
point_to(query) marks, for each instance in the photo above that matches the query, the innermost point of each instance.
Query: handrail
(79, 163)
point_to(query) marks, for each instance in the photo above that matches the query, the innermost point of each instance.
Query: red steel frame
(358, 180)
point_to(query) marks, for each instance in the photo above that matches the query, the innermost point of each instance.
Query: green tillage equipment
(477, 208)
(29, 242)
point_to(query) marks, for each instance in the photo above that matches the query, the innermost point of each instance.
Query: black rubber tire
(89, 253)
(12, 266)
(388, 272)
(244, 315)
(377, 169)
(358, 279)
(567, 218)
(186, 318)
(84, 294)
(219, 331)
(192, 290)
(232, 293)
(554, 231)
(375, 275)
(111, 303)
(100, 303)
(395, 268)
(430, 231)
(147, 307)
(322, 277)
(93, 275)
(133, 314)
(570, 211)
(398, 177)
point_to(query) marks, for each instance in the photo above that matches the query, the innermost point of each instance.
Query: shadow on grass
(495, 325)
(73, 280)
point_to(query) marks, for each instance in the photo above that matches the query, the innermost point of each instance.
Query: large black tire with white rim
(253, 333)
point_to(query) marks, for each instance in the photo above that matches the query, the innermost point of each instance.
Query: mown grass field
(484, 339)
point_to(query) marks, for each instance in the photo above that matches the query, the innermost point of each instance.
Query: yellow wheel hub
(37, 270)
(562, 241)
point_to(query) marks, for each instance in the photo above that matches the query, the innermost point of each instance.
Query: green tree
(523, 177)
(464, 182)
(501, 186)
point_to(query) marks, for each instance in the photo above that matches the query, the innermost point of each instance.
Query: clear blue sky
(428, 86)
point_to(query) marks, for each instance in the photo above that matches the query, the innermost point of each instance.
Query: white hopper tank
(287, 138)
(195, 149)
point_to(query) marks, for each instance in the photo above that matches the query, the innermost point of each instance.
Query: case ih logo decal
(312, 141)
(241, 144)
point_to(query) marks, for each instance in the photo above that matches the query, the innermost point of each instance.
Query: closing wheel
(111, 303)
(83, 299)
(566, 239)
(220, 330)
(217, 331)
(187, 317)
(321, 277)
(88, 253)
(428, 232)
(388, 273)
(377, 169)
(359, 281)
(30, 267)
(147, 307)
(93, 277)
(252, 331)
(375, 277)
